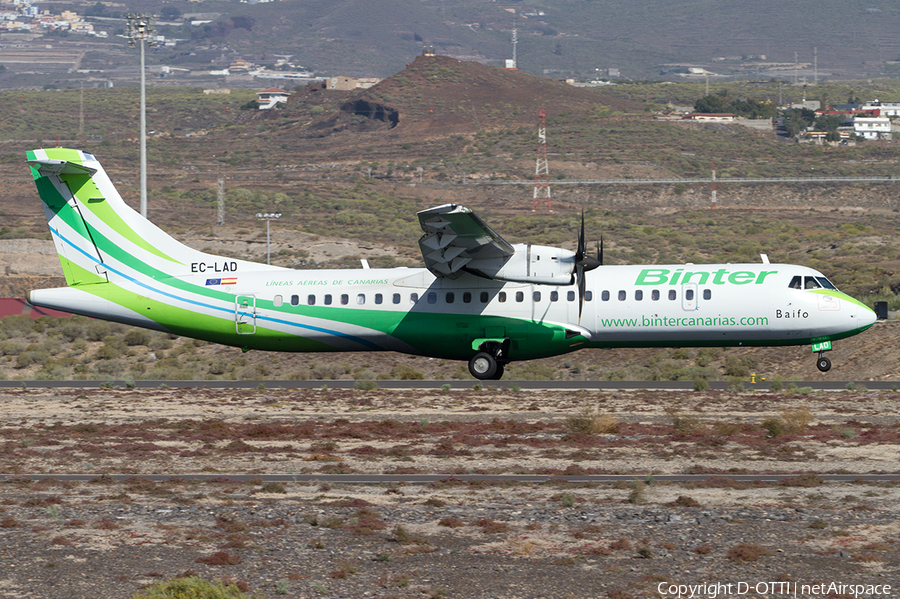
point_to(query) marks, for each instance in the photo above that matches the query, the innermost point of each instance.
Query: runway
(438, 385)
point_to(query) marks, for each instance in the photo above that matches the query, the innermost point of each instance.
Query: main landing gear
(488, 364)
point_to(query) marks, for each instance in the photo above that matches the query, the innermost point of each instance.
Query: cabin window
(450, 297)
(520, 296)
(432, 297)
(277, 301)
(413, 298)
(310, 300)
(536, 296)
(501, 297)
(554, 296)
(396, 298)
(604, 295)
(345, 299)
(484, 297)
(707, 294)
(295, 300)
(588, 296)
(689, 294)
(361, 299)
(570, 296)
(672, 294)
(654, 295)
(796, 283)
(826, 283)
(467, 298)
(379, 298)
(639, 295)
(812, 283)
(622, 295)
(327, 301)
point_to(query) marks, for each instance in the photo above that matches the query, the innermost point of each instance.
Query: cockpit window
(796, 283)
(826, 283)
(812, 283)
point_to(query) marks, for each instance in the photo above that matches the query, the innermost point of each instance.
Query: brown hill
(442, 95)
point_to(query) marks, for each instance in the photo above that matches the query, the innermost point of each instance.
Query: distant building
(879, 108)
(711, 117)
(350, 83)
(810, 104)
(876, 127)
(268, 98)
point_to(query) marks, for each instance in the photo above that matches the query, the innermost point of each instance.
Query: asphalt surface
(502, 384)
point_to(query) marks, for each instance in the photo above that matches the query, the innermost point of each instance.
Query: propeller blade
(579, 254)
(600, 251)
(579, 275)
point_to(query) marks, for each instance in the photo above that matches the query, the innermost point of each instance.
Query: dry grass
(589, 421)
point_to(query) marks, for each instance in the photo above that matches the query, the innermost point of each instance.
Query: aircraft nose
(865, 316)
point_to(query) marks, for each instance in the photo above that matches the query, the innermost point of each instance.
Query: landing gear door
(245, 314)
(689, 296)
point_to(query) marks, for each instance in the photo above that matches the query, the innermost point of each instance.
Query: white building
(872, 127)
(888, 109)
(268, 98)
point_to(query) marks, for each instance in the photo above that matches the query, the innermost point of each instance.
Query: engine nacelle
(529, 264)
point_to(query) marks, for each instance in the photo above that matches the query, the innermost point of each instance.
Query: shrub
(451, 522)
(591, 422)
(746, 552)
(774, 426)
(685, 501)
(638, 491)
(113, 347)
(219, 558)
(138, 337)
(192, 587)
(738, 366)
(735, 383)
(404, 372)
(274, 487)
(796, 420)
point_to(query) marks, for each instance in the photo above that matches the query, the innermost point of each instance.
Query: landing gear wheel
(499, 374)
(823, 364)
(483, 366)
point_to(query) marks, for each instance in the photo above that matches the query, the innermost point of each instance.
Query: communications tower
(541, 169)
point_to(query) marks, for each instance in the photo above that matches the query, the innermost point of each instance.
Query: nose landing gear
(822, 363)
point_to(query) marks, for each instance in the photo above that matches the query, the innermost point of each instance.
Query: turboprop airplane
(479, 298)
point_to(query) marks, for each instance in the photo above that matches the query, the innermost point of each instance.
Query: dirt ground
(451, 538)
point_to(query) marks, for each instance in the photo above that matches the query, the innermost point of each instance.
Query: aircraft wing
(455, 236)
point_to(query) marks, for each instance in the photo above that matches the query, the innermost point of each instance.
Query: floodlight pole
(140, 30)
(143, 136)
(268, 217)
